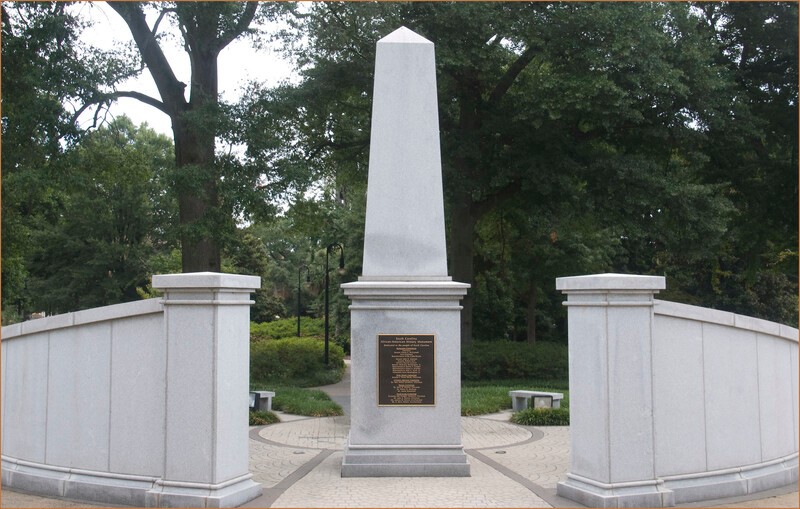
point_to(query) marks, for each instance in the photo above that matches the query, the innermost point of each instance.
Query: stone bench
(520, 400)
(261, 400)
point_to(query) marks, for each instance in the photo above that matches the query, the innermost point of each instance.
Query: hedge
(502, 360)
(286, 328)
(295, 361)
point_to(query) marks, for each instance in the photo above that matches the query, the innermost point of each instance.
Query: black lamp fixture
(328, 251)
(299, 290)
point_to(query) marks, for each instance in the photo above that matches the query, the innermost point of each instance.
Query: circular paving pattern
(331, 433)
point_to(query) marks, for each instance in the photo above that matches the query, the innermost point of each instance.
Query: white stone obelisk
(405, 312)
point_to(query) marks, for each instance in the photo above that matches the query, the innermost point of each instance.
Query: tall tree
(539, 104)
(206, 29)
(113, 196)
(45, 69)
(757, 155)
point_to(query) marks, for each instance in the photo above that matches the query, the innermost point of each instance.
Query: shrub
(295, 361)
(286, 328)
(542, 417)
(261, 417)
(491, 360)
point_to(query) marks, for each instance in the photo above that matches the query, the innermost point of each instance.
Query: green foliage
(295, 361)
(311, 402)
(44, 68)
(247, 254)
(98, 250)
(542, 417)
(263, 417)
(492, 360)
(286, 328)
(563, 151)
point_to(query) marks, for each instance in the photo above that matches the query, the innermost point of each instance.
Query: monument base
(632, 494)
(233, 493)
(405, 461)
(132, 490)
(683, 489)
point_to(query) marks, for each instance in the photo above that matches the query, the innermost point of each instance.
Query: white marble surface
(731, 397)
(678, 403)
(107, 401)
(404, 288)
(78, 397)
(25, 397)
(138, 356)
(588, 382)
(407, 431)
(700, 399)
(775, 397)
(404, 232)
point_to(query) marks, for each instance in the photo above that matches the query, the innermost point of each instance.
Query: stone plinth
(405, 441)
(611, 402)
(405, 312)
(207, 320)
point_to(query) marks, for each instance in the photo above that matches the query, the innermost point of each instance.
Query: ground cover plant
(542, 417)
(263, 417)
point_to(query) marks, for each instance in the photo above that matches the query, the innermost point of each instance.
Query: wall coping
(208, 280)
(715, 316)
(86, 316)
(611, 282)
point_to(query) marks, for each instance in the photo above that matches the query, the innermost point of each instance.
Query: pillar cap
(611, 282)
(210, 280)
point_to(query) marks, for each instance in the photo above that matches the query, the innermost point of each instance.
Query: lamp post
(328, 251)
(299, 289)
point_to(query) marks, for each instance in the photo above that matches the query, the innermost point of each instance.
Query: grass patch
(297, 401)
(479, 398)
(542, 417)
(484, 400)
(262, 417)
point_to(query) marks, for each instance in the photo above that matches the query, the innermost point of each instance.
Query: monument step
(374, 459)
(406, 470)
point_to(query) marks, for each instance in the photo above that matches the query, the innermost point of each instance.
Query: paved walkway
(298, 462)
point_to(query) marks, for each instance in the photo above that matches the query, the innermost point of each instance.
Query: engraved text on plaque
(406, 375)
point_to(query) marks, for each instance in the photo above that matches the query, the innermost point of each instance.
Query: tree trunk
(194, 152)
(462, 251)
(206, 30)
(531, 317)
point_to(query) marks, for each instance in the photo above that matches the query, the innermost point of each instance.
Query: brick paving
(323, 487)
(281, 449)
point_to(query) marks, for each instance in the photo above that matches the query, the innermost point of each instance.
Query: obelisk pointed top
(404, 235)
(404, 35)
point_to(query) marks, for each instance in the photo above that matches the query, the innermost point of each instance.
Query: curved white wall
(725, 393)
(672, 403)
(85, 391)
(120, 404)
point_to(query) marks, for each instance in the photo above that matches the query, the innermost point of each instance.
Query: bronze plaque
(406, 374)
